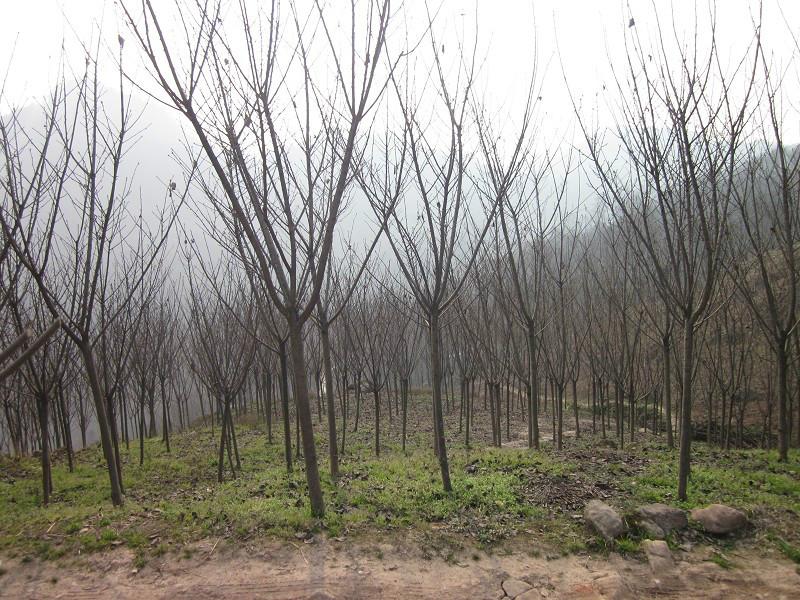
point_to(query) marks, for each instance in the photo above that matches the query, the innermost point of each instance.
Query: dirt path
(329, 569)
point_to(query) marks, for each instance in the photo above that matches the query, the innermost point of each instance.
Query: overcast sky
(585, 36)
(576, 40)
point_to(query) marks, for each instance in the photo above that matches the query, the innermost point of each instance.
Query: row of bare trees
(655, 260)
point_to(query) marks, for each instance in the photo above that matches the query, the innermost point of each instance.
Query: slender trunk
(124, 417)
(603, 397)
(112, 421)
(782, 358)
(114, 474)
(559, 395)
(404, 402)
(470, 389)
(345, 401)
(686, 409)
(376, 396)
(67, 429)
(508, 411)
(43, 408)
(151, 405)
(326, 361)
(232, 438)
(304, 414)
(575, 408)
(268, 405)
(164, 420)
(436, 367)
(358, 401)
(668, 390)
(141, 429)
(533, 408)
(82, 424)
(492, 411)
(222, 442)
(287, 432)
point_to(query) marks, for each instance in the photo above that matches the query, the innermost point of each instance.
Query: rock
(659, 557)
(532, 595)
(611, 585)
(604, 520)
(652, 530)
(515, 587)
(719, 519)
(665, 517)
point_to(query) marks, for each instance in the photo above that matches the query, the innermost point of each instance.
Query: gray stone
(604, 520)
(515, 587)
(719, 519)
(652, 530)
(532, 595)
(665, 517)
(659, 557)
(611, 585)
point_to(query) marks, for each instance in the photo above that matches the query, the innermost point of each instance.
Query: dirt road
(330, 569)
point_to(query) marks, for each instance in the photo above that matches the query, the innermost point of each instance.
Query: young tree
(272, 133)
(63, 222)
(767, 208)
(681, 120)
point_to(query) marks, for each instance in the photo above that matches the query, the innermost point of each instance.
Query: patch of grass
(497, 493)
(723, 561)
(134, 539)
(628, 546)
(791, 552)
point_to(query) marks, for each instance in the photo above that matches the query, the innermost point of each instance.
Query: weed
(720, 559)
(791, 552)
(627, 546)
(497, 494)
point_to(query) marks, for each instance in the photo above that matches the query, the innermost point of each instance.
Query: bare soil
(325, 568)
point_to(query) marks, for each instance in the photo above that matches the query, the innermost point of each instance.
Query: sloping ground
(329, 569)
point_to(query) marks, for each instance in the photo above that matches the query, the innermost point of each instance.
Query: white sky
(586, 36)
(585, 32)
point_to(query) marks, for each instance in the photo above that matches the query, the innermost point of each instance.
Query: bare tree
(272, 140)
(681, 120)
(71, 212)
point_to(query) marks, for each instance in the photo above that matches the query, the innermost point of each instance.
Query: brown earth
(330, 569)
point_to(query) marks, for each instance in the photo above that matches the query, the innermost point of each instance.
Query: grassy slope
(174, 499)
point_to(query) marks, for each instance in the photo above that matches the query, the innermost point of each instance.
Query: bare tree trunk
(67, 429)
(222, 441)
(164, 420)
(377, 422)
(326, 361)
(782, 358)
(575, 408)
(404, 404)
(668, 391)
(268, 404)
(345, 409)
(438, 421)
(686, 408)
(358, 400)
(102, 424)
(287, 433)
(304, 415)
(43, 410)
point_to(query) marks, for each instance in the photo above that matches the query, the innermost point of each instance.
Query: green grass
(173, 499)
(721, 560)
(791, 552)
